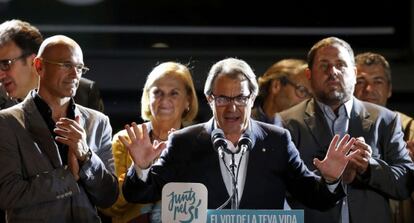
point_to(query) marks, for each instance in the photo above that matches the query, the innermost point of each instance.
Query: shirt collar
(45, 110)
(344, 108)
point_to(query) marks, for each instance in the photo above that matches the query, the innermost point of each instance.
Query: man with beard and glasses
(381, 170)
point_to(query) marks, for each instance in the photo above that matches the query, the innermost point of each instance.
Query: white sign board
(184, 203)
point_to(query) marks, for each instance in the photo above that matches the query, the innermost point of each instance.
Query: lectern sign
(184, 203)
(255, 216)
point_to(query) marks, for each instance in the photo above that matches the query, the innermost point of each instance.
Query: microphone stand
(235, 197)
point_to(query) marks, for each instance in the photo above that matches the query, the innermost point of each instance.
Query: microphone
(245, 143)
(219, 141)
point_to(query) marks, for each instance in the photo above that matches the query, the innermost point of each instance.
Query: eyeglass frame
(228, 100)
(68, 66)
(299, 89)
(9, 62)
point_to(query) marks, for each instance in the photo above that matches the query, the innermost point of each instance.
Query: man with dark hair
(382, 168)
(374, 85)
(19, 42)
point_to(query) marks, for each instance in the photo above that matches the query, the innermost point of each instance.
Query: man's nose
(369, 87)
(74, 73)
(231, 106)
(332, 70)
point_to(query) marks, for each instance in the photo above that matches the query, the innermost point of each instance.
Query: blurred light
(80, 2)
(160, 45)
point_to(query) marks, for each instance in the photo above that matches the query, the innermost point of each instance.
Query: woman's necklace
(157, 137)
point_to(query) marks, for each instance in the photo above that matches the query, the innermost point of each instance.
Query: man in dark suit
(381, 170)
(374, 84)
(267, 170)
(56, 157)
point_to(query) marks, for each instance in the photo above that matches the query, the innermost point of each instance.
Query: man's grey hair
(231, 67)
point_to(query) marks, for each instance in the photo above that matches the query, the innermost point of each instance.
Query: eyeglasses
(5, 64)
(222, 101)
(67, 67)
(300, 90)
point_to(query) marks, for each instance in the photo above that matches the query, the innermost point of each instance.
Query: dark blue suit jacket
(274, 167)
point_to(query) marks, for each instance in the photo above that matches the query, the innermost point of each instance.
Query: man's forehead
(61, 52)
(8, 48)
(232, 84)
(336, 50)
(371, 70)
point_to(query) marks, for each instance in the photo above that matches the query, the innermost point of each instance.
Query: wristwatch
(87, 157)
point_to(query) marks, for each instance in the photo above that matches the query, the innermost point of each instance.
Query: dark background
(124, 40)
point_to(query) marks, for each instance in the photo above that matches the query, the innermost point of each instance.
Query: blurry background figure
(19, 43)
(374, 85)
(282, 86)
(88, 95)
(169, 101)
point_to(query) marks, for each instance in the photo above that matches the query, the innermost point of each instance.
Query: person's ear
(252, 101)
(308, 73)
(187, 104)
(30, 58)
(389, 91)
(38, 65)
(275, 86)
(210, 101)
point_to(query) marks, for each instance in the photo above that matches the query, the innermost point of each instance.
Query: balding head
(48, 46)
(59, 64)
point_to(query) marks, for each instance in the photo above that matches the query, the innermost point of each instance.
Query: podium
(187, 203)
(255, 216)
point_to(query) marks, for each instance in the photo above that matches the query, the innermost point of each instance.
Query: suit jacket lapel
(257, 135)
(40, 132)
(359, 124)
(317, 125)
(215, 180)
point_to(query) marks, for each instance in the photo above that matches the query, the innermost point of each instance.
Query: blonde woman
(169, 101)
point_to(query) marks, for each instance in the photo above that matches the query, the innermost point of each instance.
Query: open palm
(139, 145)
(336, 159)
